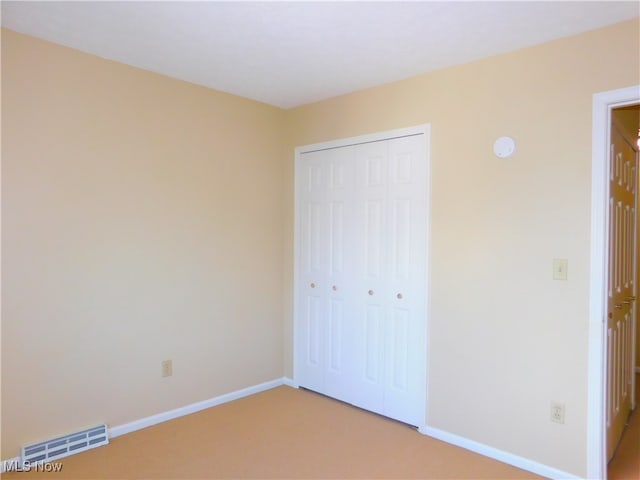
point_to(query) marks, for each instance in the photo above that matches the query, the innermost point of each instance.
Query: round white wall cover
(504, 147)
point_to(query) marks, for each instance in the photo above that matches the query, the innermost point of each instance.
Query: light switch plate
(560, 266)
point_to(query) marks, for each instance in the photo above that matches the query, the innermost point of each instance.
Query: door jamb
(603, 103)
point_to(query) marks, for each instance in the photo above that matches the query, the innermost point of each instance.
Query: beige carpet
(625, 464)
(281, 433)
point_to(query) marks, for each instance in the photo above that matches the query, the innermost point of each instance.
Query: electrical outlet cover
(557, 412)
(167, 368)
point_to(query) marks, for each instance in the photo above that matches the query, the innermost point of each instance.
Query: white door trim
(423, 129)
(603, 103)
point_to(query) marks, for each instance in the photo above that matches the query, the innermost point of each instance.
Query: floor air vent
(64, 446)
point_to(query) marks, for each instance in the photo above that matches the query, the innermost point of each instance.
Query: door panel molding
(622, 272)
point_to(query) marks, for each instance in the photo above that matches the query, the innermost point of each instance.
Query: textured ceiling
(291, 53)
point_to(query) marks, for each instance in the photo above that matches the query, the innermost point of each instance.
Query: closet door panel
(405, 332)
(370, 218)
(311, 305)
(339, 327)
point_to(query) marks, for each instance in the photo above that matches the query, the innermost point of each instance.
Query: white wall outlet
(557, 412)
(167, 368)
(560, 266)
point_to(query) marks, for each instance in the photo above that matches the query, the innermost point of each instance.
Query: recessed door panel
(375, 163)
(336, 310)
(314, 178)
(310, 362)
(373, 237)
(373, 325)
(400, 242)
(314, 333)
(399, 349)
(367, 383)
(336, 238)
(313, 237)
(401, 167)
(337, 175)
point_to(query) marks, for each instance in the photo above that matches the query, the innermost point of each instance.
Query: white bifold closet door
(361, 263)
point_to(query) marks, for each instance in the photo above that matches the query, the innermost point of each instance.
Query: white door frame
(603, 103)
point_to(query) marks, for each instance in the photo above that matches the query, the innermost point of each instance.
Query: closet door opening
(361, 263)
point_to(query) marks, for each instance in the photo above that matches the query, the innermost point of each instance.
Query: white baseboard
(194, 407)
(500, 455)
(487, 451)
(289, 382)
(179, 412)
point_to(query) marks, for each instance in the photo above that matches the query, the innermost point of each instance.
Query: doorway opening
(622, 330)
(613, 290)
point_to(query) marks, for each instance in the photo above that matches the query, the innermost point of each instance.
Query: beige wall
(142, 220)
(132, 206)
(504, 338)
